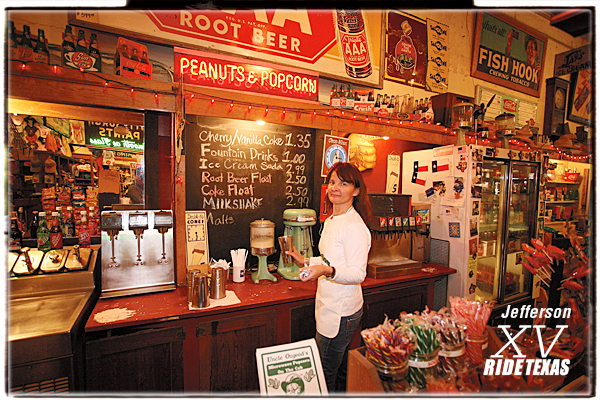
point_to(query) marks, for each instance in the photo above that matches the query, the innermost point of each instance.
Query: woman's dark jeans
(334, 352)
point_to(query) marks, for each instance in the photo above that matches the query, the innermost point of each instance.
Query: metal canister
(217, 283)
(190, 281)
(200, 293)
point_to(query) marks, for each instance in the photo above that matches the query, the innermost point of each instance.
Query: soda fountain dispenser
(297, 224)
(392, 230)
(262, 245)
(138, 223)
(163, 221)
(112, 224)
(144, 252)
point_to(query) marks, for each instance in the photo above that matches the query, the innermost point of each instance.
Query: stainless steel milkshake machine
(137, 252)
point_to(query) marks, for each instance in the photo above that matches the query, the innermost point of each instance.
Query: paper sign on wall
(393, 174)
(292, 369)
(196, 237)
(335, 149)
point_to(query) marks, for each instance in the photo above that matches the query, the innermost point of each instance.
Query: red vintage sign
(510, 105)
(205, 69)
(303, 35)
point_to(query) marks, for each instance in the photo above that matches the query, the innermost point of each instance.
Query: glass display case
(509, 202)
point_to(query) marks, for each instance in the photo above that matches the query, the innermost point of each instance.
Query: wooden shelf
(561, 201)
(563, 183)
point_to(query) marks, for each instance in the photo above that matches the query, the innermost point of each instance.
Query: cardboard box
(131, 59)
(364, 101)
(81, 60)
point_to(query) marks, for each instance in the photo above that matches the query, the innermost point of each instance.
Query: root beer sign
(205, 69)
(303, 35)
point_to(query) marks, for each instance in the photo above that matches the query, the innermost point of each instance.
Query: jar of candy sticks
(476, 314)
(476, 346)
(422, 367)
(423, 357)
(387, 348)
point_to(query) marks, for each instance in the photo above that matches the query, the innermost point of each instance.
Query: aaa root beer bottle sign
(303, 35)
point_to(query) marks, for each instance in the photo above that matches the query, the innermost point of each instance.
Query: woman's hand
(296, 255)
(314, 272)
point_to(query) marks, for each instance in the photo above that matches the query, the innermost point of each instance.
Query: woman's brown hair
(347, 172)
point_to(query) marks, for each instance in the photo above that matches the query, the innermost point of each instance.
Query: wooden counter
(213, 350)
(172, 305)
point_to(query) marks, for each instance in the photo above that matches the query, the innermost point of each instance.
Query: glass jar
(505, 124)
(476, 348)
(462, 116)
(421, 367)
(452, 358)
(392, 376)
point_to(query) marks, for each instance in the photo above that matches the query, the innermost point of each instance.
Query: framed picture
(509, 54)
(581, 95)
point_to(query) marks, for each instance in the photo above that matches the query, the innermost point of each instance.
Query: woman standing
(344, 247)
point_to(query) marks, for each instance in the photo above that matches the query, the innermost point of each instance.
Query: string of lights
(189, 96)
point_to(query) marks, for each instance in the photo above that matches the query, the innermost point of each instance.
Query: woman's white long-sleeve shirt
(345, 243)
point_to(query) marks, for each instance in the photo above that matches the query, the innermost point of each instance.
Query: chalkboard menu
(239, 171)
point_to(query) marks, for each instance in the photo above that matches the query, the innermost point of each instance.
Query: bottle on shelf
(21, 219)
(386, 100)
(69, 223)
(404, 106)
(35, 224)
(43, 234)
(81, 45)
(13, 41)
(26, 45)
(134, 54)
(92, 226)
(392, 104)
(68, 44)
(377, 103)
(84, 234)
(40, 51)
(410, 108)
(15, 241)
(61, 219)
(56, 235)
(94, 51)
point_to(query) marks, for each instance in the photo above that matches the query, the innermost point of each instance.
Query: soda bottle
(145, 58)
(84, 234)
(92, 225)
(13, 42)
(353, 40)
(26, 45)
(95, 52)
(15, 241)
(81, 45)
(69, 223)
(21, 219)
(61, 220)
(43, 234)
(40, 51)
(134, 54)
(56, 235)
(68, 44)
(35, 224)
(405, 50)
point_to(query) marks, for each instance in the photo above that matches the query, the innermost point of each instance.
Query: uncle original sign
(508, 54)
